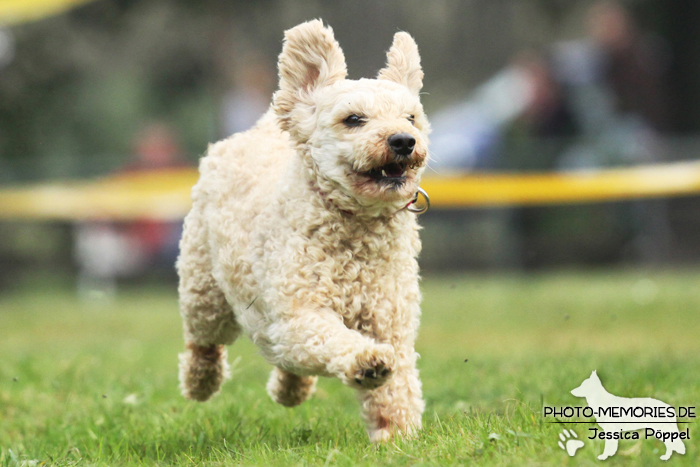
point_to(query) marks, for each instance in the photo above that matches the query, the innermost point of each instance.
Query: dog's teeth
(383, 173)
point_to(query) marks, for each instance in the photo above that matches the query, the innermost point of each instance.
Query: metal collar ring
(419, 210)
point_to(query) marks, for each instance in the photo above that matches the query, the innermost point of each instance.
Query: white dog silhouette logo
(617, 415)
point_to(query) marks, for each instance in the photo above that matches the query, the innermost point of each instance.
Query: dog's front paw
(372, 367)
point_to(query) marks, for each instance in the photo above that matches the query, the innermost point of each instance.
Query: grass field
(96, 384)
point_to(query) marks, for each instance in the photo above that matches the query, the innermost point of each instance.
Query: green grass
(96, 384)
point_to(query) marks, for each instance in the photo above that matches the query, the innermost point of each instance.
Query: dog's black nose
(402, 143)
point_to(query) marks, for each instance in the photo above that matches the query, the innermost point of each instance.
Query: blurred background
(99, 88)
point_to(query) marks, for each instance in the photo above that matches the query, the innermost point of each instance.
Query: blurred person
(616, 83)
(634, 64)
(468, 135)
(595, 102)
(614, 80)
(547, 112)
(600, 102)
(248, 99)
(605, 93)
(106, 250)
(103, 252)
(157, 148)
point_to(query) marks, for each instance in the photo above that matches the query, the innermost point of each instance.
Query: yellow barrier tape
(492, 189)
(165, 194)
(152, 195)
(20, 11)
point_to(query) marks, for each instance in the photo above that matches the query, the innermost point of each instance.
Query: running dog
(300, 236)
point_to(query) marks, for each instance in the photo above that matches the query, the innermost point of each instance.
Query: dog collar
(410, 206)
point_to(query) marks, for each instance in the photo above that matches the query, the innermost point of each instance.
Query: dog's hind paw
(202, 371)
(289, 389)
(372, 367)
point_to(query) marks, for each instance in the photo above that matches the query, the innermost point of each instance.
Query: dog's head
(366, 138)
(590, 386)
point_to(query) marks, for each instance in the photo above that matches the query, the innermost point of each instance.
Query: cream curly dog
(300, 237)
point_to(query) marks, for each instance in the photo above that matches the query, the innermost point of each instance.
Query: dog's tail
(202, 371)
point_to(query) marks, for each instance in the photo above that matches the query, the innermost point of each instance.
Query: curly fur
(290, 241)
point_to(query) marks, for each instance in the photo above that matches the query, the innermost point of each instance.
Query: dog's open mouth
(394, 172)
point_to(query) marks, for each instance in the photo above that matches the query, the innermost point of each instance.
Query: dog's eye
(354, 120)
(412, 119)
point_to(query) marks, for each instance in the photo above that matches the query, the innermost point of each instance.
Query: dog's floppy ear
(403, 63)
(310, 58)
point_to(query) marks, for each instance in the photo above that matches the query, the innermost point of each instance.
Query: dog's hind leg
(208, 320)
(289, 389)
(676, 445)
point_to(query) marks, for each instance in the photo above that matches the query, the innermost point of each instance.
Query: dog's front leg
(396, 407)
(609, 449)
(317, 342)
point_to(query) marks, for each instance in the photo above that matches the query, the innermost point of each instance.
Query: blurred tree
(81, 84)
